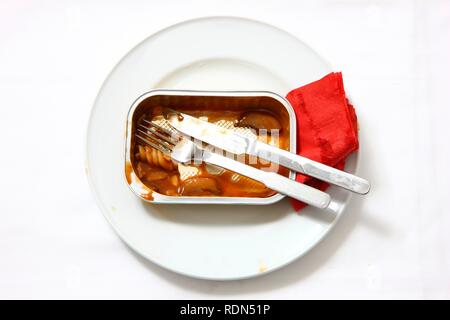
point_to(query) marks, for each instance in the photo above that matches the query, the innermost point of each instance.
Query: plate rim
(130, 243)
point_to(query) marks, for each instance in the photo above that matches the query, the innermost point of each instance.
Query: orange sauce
(225, 184)
(128, 171)
(148, 196)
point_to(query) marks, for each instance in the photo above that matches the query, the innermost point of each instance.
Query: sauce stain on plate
(262, 267)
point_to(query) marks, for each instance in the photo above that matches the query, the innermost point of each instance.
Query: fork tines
(157, 136)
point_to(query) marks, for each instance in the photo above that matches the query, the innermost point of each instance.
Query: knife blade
(210, 133)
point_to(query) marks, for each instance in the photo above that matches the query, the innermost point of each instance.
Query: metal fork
(184, 151)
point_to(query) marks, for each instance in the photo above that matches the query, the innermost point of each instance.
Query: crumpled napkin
(327, 129)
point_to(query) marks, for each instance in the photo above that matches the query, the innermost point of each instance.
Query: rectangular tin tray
(215, 99)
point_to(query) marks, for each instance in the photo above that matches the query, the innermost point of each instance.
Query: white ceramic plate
(220, 242)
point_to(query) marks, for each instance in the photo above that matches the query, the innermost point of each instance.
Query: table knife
(238, 144)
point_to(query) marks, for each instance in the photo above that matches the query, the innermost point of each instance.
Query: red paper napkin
(327, 129)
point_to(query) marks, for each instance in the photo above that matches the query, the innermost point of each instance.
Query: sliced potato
(200, 186)
(156, 174)
(259, 120)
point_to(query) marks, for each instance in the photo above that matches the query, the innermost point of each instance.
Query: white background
(394, 243)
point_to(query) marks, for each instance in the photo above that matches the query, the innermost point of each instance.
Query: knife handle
(312, 168)
(272, 180)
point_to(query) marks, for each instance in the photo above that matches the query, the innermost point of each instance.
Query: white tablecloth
(394, 243)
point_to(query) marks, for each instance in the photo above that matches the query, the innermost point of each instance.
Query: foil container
(218, 100)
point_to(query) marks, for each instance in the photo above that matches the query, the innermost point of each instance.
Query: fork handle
(272, 180)
(311, 168)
